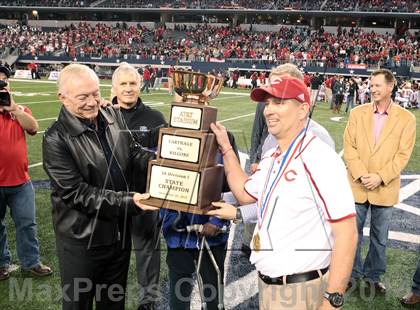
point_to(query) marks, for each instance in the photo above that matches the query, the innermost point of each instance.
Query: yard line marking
(230, 97)
(341, 153)
(46, 82)
(232, 93)
(46, 119)
(409, 190)
(20, 89)
(241, 289)
(40, 132)
(160, 93)
(150, 104)
(34, 102)
(31, 87)
(35, 165)
(410, 177)
(407, 208)
(397, 235)
(109, 85)
(237, 117)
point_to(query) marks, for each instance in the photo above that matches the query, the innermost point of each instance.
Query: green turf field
(236, 111)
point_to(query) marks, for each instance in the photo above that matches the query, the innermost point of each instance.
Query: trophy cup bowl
(195, 87)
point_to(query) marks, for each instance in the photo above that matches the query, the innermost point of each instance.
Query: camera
(4, 96)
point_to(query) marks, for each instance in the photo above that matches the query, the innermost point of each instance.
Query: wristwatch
(336, 299)
(238, 218)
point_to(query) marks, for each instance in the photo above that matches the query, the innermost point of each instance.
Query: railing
(96, 3)
(337, 62)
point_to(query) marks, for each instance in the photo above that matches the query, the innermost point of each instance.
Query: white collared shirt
(311, 192)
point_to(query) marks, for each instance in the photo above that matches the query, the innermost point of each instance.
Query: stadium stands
(326, 5)
(47, 3)
(202, 42)
(388, 5)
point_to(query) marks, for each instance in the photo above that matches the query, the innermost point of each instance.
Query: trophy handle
(211, 80)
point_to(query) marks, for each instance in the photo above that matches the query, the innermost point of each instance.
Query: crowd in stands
(344, 5)
(81, 40)
(209, 4)
(359, 47)
(329, 5)
(47, 3)
(388, 5)
(204, 42)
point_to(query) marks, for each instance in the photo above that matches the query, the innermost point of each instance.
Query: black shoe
(149, 306)
(379, 287)
(246, 250)
(4, 273)
(353, 282)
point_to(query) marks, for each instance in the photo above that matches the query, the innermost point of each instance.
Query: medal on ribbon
(256, 242)
(265, 197)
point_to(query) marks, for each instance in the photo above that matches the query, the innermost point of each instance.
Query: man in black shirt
(352, 90)
(316, 82)
(144, 123)
(338, 90)
(87, 155)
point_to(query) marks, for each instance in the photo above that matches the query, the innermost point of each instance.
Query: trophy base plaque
(192, 116)
(193, 147)
(183, 187)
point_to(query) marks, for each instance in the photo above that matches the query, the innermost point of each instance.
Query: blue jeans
(350, 103)
(21, 201)
(375, 262)
(416, 280)
(146, 86)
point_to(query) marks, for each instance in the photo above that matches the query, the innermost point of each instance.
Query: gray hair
(73, 71)
(286, 68)
(125, 67)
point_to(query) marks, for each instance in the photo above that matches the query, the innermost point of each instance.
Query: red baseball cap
(283, 88)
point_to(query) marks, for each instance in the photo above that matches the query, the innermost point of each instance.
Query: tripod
(204, 246)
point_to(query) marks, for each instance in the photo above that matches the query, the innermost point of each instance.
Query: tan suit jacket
(387, 158)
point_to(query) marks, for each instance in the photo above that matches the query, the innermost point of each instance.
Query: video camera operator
(16, 190)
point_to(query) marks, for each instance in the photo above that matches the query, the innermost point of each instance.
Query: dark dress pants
(181, 265)
(146, 244)
(98, 274)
